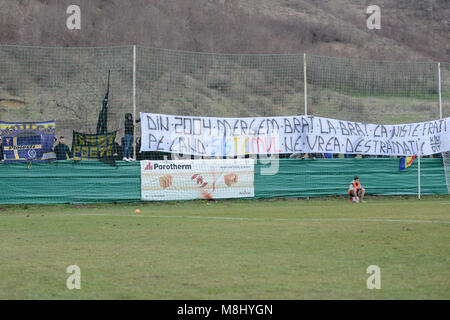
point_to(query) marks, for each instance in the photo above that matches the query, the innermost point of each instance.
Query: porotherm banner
(28, 141)
(209, 136)
(197, 179)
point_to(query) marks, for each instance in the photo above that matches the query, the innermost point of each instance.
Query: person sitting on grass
(356, 191)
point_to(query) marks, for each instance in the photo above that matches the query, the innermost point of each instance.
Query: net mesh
(68, 85)
(186, 83)
(372, 91)
(445, 89)
(445, 85)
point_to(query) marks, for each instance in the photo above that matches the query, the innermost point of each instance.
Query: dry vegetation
(39, 84)
(411, 29)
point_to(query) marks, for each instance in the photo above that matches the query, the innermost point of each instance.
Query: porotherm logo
(167, 166)
(149, 166)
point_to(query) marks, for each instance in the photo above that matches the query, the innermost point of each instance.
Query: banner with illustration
(209, 136)
(28, 141)
(92, 146)
(197, 179)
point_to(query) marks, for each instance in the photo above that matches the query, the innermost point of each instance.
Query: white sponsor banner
(197, 179)
(208, 136)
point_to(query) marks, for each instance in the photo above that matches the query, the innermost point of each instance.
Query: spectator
(322, 155)
(129, 132)
(138, 148)
(122, 145)
(117, 151)
(62, 150)
(297, 156)
(155, 155)
(2, 156)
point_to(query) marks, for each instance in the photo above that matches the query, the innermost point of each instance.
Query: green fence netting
(97, 182)
(69, 182)
(328, 177)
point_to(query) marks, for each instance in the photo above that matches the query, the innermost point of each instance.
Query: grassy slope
(314, 253)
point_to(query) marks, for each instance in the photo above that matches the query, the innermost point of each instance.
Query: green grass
(271, 249)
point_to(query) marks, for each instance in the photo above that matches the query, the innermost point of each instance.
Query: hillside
(68, 83)
(411, 29)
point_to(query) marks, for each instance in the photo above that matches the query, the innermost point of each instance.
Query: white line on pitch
(244, 219)
(268, 219)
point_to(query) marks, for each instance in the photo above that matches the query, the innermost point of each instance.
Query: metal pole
(305, 83)
(418, 173)
(440, 90)
(134, 101)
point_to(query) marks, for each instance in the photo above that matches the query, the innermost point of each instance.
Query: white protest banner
(209, 136)
(197, 179)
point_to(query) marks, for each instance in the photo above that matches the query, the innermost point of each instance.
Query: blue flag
(28, 141)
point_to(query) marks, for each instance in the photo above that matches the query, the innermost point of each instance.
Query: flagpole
(134, 101)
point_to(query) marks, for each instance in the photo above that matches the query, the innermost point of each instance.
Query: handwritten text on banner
(208, 136)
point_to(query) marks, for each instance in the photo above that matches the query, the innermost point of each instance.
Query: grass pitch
(244, 249)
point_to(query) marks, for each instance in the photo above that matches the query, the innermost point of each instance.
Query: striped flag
(406, 162)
